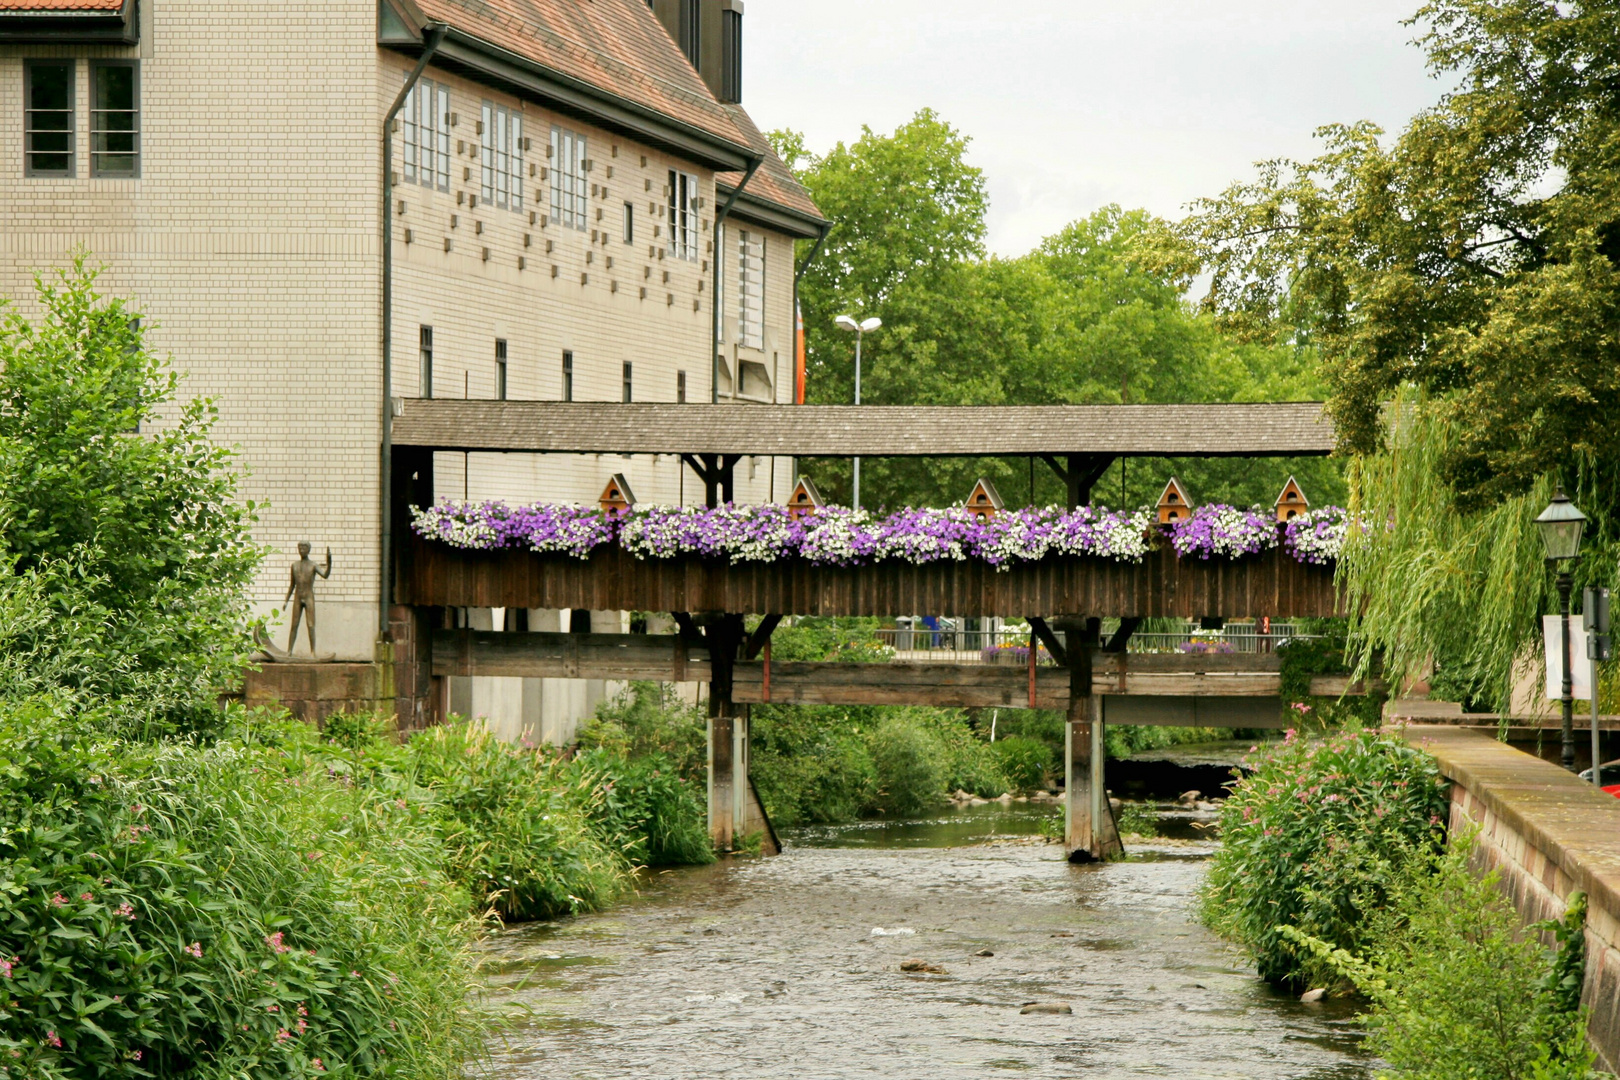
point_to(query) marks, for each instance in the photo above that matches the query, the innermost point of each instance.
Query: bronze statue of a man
(301, 591)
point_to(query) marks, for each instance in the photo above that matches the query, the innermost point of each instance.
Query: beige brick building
(558, 174)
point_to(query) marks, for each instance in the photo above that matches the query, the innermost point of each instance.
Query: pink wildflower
(282, 1035)
(315, 1063)
(51, 1037)
(194, 949)
(303, 1025)
(274, 941)
(136, 1055)
(58, 900)
(5, 967)
(272, 1008)
(85, 896)
(126, 910)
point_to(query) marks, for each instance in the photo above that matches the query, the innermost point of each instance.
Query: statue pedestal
(312, 690)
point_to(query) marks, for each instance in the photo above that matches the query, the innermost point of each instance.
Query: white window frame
(569, 201)
(683, 215)
(503, 157)
(426, 143)
(750, 289)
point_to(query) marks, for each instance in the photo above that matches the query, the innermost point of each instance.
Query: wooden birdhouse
(1174, 505)
(1291, 503)
(617, 498)
(805, 498)
(984, 502)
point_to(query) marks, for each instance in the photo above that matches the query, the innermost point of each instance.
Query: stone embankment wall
(1548, 834)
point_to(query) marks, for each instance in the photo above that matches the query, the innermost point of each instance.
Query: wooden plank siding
(1271, 584)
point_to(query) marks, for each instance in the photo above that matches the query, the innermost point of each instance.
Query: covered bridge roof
(1287, 429)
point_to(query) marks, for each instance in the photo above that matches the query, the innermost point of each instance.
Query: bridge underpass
(1095, 682)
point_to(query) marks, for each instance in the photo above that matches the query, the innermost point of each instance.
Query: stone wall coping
(1576, 825)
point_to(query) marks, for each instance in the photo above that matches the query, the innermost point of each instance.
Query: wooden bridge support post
(1089, 833)
(728, 734)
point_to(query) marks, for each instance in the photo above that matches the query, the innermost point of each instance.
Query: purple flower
(1219, 529)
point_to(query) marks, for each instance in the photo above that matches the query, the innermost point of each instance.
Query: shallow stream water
(789, 967)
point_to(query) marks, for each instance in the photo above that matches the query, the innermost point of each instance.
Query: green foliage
(1458, 990)
(1123, 740)
(1314, 838)
(1025, 762)
(123, 546)
(217, 912)
(1137, 819)
(650, 720)
(910, 765)
(1079, 320)
(654, 815)
(1306, 657)
(811, 764)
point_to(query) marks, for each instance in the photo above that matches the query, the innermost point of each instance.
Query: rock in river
(921, 967)
(1050, 1008)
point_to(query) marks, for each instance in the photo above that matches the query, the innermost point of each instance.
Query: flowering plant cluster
(839, 536)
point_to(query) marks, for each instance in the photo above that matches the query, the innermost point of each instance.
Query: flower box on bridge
(1271, 583)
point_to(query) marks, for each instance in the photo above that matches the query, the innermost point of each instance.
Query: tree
(122, 543)
(1080, 320)
(1470, 264)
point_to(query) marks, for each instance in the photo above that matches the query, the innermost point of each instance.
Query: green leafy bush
(910, 765)
(1458, 990)
(1314, 838)
(1025, 762)
(171, 910)
(650, 719)
(811, 764)
(655, 817)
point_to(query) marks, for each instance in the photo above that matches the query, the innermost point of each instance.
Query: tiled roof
(617, 46)
(61, 5)
(773, 181)
(1285, 429)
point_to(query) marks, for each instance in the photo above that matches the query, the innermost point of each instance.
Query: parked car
(1610, 777)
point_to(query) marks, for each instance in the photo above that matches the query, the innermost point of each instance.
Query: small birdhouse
(984, 502)
(1291, 503)
(1174, 505)
(805, 498)
(617, 497)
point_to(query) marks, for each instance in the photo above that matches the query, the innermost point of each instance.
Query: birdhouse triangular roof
(1291, 493)
(984, 494)
(1181, 499)
(617, 493)
(805, 494)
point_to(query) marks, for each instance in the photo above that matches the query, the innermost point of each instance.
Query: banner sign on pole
(1552, 627)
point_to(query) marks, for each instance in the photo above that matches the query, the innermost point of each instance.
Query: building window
(629, 223)
(731, 56)
(115, 119)
(691, 30)
(48, 118)
(426, 389)
(503, 157)
(500, 369)
(751, 289)
(427, 135)
(568, 375)
(629, 383)
(680, 387)
(683, 218)
(568, 197)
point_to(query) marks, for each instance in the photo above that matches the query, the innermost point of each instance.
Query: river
(790, 967)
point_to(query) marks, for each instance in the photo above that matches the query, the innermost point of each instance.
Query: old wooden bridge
(1064, 599)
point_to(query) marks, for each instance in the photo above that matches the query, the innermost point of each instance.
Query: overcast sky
(1074, 104)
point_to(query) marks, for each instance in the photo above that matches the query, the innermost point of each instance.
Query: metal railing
(953, 641)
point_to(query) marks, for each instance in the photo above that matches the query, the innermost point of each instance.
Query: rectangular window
(721, 333)
(427, 135)
(629, 223)
(688, 19)
(48, 118)
(503, 157)
(568, 376)
(115, 119)
(683, 217)
(680, 387)
(426, 388)
(500, 369)
(629, 383)
(751, 289)
(731, 56)
(568, 198)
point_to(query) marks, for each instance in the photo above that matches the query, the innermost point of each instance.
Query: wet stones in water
(921, 967)
(984, 952)
(1047, 1008)
(1313, 995)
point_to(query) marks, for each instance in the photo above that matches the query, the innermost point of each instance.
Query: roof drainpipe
(714, 299)
(799, 340)
(430, 45)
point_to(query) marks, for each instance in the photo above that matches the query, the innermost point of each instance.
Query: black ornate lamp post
(1561, 524)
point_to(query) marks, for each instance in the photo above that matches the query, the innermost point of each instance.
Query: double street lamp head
(1561, 525)
(848, 324)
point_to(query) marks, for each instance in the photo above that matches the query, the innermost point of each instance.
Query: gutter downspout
(714, 299)
(431, 43)
(798, 316)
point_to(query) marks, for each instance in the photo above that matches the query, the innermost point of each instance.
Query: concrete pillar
(728, 734)
(1089, 832)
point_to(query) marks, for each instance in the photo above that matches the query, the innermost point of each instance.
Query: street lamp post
(859, 329)
(1561, 524)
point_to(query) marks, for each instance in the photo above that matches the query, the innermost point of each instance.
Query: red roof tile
(773, 181)
(61, 5)
(618, 46)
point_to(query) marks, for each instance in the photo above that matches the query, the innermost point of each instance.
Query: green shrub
(650, 719)
(1025, 762)
(910, 765)
(811, 763)
(1313, 838)
(1458, 990)
(970, 762)
(217, 912)
(647, 810)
